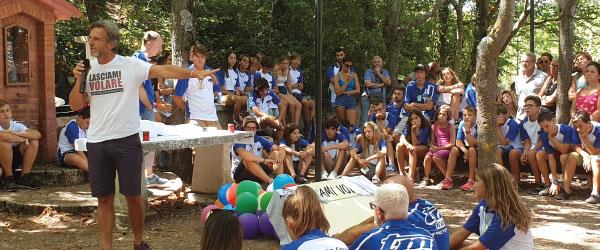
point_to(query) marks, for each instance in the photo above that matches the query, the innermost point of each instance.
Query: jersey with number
(396, 234)
(422, 213)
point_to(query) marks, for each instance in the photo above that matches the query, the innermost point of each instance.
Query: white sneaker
(332, 175)
(324, 175)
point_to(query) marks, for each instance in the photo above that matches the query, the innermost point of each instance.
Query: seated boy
(466, 145)
(75, 129)
(334, 148)
(18, 147)
(262, 104)
(247, 162)
(586, 140)
(386, 121)
(507, 131)
(529, 132)
(556, 139)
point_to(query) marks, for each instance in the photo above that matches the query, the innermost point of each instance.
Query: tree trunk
(488, 52)
(482, 9)
(566, 8)
(520, 23)
(460, 34)
(392, 41)
(180, 161)
(396, 30)
(443, 33)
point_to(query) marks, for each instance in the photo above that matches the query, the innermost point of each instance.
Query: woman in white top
(281, 75)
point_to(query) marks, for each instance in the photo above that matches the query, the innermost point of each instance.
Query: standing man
(112, 89)
(377, 80)
(528, 82)
(18, 148)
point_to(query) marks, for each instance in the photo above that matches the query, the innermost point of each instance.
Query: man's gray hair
(376, 58)
(112, 32)
(392, 198)
(530, 55)
(150, 36)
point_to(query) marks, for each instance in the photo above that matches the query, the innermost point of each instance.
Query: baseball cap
(420, 67)
(248, 119)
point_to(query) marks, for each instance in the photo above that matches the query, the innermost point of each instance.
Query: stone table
(218, 143)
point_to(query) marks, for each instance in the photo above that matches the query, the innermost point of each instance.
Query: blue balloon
(282, 180)
(229, 207)
(222, 194)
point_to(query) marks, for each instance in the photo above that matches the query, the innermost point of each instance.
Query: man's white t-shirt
(113, 89)
(15, 127)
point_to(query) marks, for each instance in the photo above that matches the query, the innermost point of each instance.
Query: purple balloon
(249, 223)
(265, 226)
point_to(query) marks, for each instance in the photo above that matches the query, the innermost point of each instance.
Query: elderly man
(528, 82)
(377, 80)
(395, 230)
(422, 213)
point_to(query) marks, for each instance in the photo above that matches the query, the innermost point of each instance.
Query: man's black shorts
(123, 156)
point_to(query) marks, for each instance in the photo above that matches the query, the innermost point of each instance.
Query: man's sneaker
(324, 175)
(563, 195)
(447, 183)
(9, 184)
(593, 199)
(155, 180)
(423, 183)
(27, 182)
(376, 180)
(142, 246)
(469, 186)
(545, 191)
(300, 179)
(390, 169)
(333, 175)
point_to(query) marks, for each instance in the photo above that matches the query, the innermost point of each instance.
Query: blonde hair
(365, 140)
(304, 208)
(502, 196)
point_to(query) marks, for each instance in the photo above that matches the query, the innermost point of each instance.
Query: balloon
(222, 193)
(219, 204)
(265, 226)
(228, 207)
(247, 186)
(261, 192)
(264, 200)
(249, 223)
(246, 203)
(289, 185)
(231, 194)
(281, 180)
(206, 212)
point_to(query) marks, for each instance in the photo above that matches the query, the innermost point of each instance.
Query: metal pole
(319, 91)
(531, 27)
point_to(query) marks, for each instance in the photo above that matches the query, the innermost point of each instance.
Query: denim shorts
(282, 90)
(345, 101)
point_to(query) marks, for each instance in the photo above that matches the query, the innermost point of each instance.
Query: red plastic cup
(231, 127)
(146, 136)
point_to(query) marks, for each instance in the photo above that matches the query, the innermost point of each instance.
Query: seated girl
(306, 223)
(299, 154)
(500, 219)
(369, 154)
(442, 140)
(413, 142)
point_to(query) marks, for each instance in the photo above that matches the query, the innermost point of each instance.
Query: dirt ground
(557, 225)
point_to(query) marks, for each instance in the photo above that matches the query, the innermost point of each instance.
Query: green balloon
(265, 199)
(246, 203)
(247, 186)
